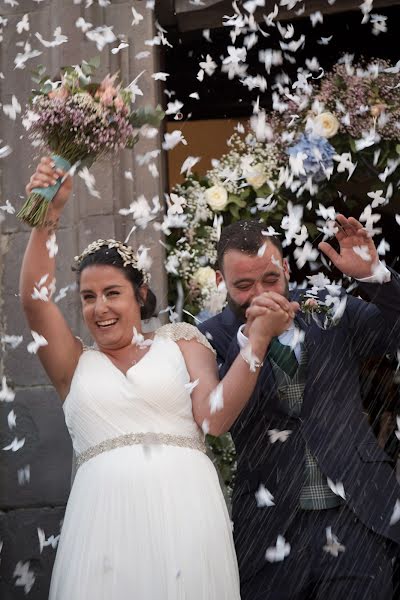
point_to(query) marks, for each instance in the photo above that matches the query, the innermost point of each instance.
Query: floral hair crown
(128, 255)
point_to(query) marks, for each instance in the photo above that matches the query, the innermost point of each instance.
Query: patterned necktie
(283, 356)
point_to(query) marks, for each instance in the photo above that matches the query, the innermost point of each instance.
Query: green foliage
(149, 115)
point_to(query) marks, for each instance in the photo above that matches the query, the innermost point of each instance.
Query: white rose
(256, 176)
(326, 124)
(204, 277)
(216, 197)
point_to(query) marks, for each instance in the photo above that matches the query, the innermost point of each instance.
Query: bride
(146, 519)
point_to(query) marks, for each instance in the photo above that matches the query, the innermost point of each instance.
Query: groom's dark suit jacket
(332, 423)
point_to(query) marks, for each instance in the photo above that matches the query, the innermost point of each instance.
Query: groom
(316, 505)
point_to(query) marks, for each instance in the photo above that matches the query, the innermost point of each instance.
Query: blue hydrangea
(319, 156)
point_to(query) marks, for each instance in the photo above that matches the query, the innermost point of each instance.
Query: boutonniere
(311, 306)
(325, 313)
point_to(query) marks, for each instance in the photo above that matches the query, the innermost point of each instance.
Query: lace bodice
(184, 331)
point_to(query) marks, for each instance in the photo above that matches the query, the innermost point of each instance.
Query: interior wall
(206, 139)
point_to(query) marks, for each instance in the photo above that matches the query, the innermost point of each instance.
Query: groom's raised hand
(357, 255)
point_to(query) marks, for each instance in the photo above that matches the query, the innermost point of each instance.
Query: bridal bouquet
(79, 121)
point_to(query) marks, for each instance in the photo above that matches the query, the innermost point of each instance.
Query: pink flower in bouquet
(119, 104)
(108, 82)
(107, 96)
(107, 91)
(60, 93)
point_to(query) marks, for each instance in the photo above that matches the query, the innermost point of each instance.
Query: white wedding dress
(146, 518)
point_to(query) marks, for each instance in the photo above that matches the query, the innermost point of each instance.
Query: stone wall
(35, 479)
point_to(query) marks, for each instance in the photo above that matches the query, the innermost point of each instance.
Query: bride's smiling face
(109, 306)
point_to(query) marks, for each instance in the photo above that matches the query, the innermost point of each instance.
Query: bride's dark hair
(110, 257)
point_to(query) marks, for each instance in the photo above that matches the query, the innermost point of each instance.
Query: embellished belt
(145, 439)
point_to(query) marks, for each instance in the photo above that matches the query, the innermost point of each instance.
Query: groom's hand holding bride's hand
(269, 315)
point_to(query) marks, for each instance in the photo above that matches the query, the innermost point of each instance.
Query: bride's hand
(46, 175)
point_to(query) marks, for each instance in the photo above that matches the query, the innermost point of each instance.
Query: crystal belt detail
(146, 439)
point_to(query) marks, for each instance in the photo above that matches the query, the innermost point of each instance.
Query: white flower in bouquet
(325, 125)
(204, 277)
(256, 176)
(217, 197)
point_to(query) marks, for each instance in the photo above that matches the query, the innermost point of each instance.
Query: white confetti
(397, 432)
(173, 139)
(22, 57)
(83, 25)
(5, 151)
(144, 260)
(316, 17)
(11, 419)
(101, 36)
(15, 445)
(23, 24)
(191, 385)
(142, 55)
(188, 164)
(362, 252)
(176, 204)
(38, 342)
(264, 497)
(138, 339)
(216, 399)
(64, 290)
(41, 293)
(51, 245)
(173, 107)
(59, 38)
(278, 552)
(276, 435)
(324, 41)
(11, 110)
(337, 488)
(305, 254)
(205, 426)
(43, 542)
(160, 76)
(24, 577)
(332, 546)
(262, 249)
(6, 394)
(121, 46)
(90, 182)
(137, 17)
(395, 514)
(24, 475)
(13, 340)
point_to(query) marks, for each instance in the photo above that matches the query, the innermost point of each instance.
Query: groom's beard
(239, 310)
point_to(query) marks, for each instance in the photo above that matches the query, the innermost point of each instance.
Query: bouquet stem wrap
(35, 209)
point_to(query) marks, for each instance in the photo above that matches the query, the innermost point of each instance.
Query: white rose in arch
(256, 176)
(216, 197)
(326, 125)
(204, 277)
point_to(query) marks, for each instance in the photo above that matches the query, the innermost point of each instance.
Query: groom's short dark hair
(245, 236)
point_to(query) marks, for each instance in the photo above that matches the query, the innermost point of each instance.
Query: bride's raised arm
(61, 354)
